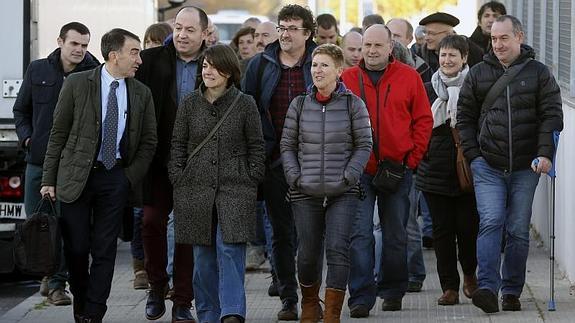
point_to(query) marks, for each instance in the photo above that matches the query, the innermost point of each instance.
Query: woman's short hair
(224, 59)
(332, 51)
(242, 32)
(456, 42)
(158, 32)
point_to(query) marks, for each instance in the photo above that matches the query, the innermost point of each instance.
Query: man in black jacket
(509, 144)
(486, 15)
(171, 71)
(33, 112)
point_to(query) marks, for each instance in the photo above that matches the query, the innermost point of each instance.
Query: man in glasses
(274, 78)
(438, 26)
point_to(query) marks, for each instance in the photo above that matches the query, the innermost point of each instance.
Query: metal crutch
(552, 174)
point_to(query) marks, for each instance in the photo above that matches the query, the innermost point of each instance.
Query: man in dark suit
(101, 144)
(171, 71)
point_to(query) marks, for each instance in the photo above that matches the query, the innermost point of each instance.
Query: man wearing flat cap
(437, 26)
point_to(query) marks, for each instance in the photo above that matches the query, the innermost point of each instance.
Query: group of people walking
(189, 129)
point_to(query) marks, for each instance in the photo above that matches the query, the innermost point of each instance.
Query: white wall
(564, 198)
(99, 16)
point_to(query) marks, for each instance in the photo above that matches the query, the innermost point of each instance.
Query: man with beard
(284, 75)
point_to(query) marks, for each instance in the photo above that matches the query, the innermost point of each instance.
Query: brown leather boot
(310, 308)
(449, 297)
(469, 285)
(333, 303)
(140, 275)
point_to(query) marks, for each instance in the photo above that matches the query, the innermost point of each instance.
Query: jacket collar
(89, 61)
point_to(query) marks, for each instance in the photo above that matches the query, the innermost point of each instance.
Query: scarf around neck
(447, 90)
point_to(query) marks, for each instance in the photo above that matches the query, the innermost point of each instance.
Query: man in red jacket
(401, 120)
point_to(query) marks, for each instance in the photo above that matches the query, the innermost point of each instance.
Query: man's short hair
(456, 42)
(495, 6)
(296, 12)
(201, 13)
(408, 26)
(372, 20)
(79, 27)
(255, 20)
(517, 26)
(114, 41)
(326, 21)
(357, 29)
(332, 51)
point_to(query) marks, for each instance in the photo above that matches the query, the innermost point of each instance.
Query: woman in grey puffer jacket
(325, 146)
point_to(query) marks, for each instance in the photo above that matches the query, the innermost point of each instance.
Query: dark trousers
(90, 227)
(154, 230)
(283, 237)
(455, 227)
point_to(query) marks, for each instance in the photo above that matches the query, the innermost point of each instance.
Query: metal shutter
(549, 34)
(537, 27)
(564, 40)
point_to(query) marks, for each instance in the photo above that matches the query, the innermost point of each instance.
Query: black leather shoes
(288, 311)
(182, 314)
(156, 305)
(359, 311)
(510, 303)
(391, 304)
(485, 300)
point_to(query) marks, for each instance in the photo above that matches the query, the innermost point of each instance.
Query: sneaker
(391, 304)
(255, 257)
(414, 287)
(359, 311)
(44, 286)
(58, 297)
(510, 303)
(141, 280)
(485, 300)
(288, 311)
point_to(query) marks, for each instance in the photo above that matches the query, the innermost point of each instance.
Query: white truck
(29, 31)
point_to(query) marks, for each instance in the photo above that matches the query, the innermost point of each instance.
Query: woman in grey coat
(325, 146)
(215, 190)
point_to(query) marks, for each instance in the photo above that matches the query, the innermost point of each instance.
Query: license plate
(12, 211)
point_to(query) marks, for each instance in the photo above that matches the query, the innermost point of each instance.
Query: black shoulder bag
(389, 173)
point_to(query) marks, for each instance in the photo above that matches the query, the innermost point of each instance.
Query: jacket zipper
(510, 132)
(322, 176)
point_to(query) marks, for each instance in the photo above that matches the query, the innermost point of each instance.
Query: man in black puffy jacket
(509, 144)
(33, 112)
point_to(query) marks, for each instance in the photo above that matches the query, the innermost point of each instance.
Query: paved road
(14, 289)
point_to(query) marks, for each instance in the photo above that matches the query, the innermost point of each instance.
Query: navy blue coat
(37, 100)
(268, 83)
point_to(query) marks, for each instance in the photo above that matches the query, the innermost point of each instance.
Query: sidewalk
(127, 305)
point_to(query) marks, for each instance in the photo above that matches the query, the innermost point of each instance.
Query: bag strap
(501, 83)
(40, 204)
(373, 132)
(215, 128)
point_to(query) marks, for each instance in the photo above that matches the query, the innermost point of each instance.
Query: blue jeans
(393, 215)
(427, 225)
(32, 186)
(316, 224)
(171, 244)
(415, 264)
(219, 275)
(503, 199)
(136, 245)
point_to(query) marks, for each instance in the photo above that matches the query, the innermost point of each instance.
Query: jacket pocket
(42, 89)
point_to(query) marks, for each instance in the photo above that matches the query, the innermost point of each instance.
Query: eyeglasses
(434, 33)
(290, 29)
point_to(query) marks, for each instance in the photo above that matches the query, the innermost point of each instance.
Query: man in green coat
(101, 144)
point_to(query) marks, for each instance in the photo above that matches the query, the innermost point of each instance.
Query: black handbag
(38, 241)
(389, 173)
(389, 176)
